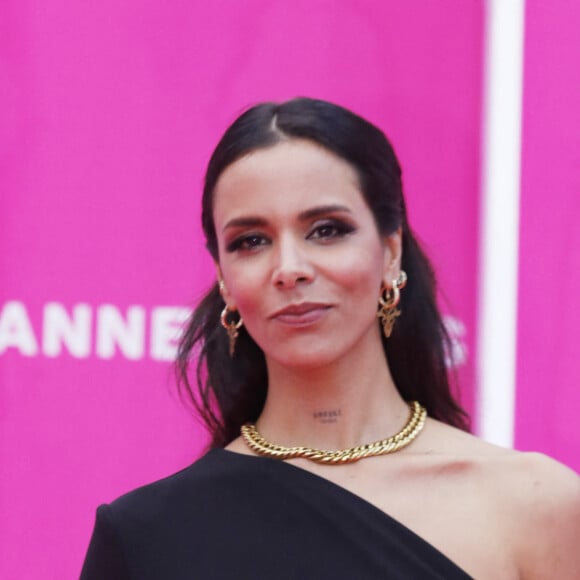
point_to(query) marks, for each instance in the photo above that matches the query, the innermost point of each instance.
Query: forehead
(290, 175)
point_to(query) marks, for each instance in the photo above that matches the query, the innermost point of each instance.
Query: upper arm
(105, 558)
(549, 520)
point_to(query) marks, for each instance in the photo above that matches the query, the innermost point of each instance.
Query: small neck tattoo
(327, 416)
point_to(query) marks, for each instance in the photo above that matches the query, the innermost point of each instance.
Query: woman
(322, 333)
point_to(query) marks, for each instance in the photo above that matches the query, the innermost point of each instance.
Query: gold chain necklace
(406, 435)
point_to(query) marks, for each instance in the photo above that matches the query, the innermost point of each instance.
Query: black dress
(237, 516)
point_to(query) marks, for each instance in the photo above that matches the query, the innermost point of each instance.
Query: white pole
(500, 220)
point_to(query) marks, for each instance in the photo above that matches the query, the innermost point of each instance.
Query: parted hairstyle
(228, 392)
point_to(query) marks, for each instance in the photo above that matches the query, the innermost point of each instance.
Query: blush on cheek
(249, 301)
(241, 282)
(356, 274)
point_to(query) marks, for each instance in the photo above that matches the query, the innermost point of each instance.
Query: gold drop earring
(388, 301)
(231, 327)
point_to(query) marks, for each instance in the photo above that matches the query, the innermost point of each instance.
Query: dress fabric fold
(235, 516)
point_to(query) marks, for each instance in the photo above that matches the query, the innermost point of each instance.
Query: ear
(393, 251)
(223, 288)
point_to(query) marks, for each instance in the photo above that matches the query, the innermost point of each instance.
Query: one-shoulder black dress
(251, 518)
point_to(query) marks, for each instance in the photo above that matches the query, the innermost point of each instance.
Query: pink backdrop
(109, 113)
(548, 398)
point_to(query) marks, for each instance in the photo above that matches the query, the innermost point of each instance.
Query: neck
(350, 402)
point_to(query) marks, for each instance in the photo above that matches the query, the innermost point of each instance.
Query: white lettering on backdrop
(59, 329)
(116, 333)
(16, 330)
(113, 330)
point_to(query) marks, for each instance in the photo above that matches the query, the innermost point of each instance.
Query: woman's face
(300, 254)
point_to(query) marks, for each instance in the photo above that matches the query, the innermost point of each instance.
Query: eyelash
(243, 243)
(340, 229)
(249, 242)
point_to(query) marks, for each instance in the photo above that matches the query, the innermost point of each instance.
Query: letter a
(16, 330)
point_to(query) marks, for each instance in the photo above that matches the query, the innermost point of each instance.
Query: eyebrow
(253, 221)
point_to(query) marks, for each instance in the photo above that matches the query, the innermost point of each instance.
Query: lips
(301, 314)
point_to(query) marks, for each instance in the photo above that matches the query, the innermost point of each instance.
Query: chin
(306, 359)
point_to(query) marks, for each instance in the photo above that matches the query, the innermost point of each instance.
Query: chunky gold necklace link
(406, 435)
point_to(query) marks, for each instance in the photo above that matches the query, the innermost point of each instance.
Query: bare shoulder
(532, 481)
(536, 486)
(536, 501)
(543, 498)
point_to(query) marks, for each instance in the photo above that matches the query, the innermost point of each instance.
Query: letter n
(113, 330)
(60, 329)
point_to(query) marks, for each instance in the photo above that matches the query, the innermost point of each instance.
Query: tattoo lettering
(330, 416)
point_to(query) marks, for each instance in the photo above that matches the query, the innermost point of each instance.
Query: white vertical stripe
(500, 220)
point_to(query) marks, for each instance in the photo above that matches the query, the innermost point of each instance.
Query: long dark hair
(229, 392)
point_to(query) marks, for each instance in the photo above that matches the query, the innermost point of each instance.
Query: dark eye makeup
(325, 230)
(330, 229)
(247, 242)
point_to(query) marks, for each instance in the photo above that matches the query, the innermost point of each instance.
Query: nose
(292, 265)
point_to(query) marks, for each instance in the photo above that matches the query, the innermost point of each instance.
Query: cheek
(245, 286)
(359, 271)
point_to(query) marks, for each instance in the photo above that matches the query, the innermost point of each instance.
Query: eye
(247, 242)
(329, 230)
